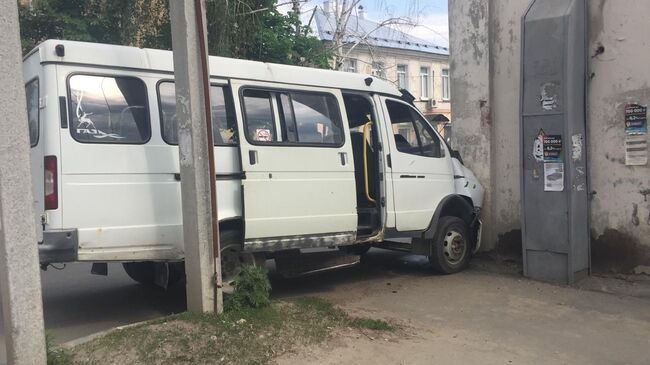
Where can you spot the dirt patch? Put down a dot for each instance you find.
(357, 347)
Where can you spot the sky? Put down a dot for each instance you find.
(430, 15)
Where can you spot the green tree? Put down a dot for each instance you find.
(248, 29)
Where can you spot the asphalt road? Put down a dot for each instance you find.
(77, 304)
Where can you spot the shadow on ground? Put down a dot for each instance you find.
(374, 265)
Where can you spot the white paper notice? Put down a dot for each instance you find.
(554, 176)
(636, 150)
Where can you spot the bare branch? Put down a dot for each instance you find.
(345, 40)
(269, 7)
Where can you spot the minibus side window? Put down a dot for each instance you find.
(287, 120)
(412, 134)
(260, 125)
(305, 118)
(106, 109)
(224, 124)
(31, 92)
(318, 118)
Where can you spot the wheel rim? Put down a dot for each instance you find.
(454, 247)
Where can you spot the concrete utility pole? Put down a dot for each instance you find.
(20, 282)
(195, 142)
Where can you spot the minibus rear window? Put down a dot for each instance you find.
(224, 124)
(109, 109)
(31, 92)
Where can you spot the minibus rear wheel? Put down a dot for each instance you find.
(231, 256)
(451, 246)
(144, 272)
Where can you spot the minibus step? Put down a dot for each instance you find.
(396, 246)
(302, 264)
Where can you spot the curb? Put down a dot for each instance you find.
(81, 340)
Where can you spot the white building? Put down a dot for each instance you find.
(411, 63)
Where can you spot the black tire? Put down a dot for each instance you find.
(231, 257)
(451, 247)
(231, 260)
(145, 272)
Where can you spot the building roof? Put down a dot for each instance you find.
(152, 60)
(324, 25)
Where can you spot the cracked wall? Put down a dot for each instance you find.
(470, 90)
(619, 74)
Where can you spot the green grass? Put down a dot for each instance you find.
(252, 290)
(242, 336)
(56, 356)
(372, 324)
(336, 314)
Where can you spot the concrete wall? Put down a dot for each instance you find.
(470, 97)
(620, 215)
(619, 75)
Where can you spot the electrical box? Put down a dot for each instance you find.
(555, 191)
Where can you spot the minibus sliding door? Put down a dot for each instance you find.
(299, 189)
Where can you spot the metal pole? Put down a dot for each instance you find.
(195, 142)
(20, 282)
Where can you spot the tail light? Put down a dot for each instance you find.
(51, 183)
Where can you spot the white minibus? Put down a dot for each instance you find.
(304, 158)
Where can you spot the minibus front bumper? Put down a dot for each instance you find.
(58, 245)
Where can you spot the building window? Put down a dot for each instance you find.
(425, 82)
(378, 70)
(350, 65)
(445, 84)
(402, 77)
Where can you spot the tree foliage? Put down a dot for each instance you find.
(249, 29)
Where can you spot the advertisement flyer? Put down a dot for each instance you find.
(554, 176)
(636, 119)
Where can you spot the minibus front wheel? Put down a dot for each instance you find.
(451, 246)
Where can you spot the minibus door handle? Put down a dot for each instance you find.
(252, 157)
(344, 158)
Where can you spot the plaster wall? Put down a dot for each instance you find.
(470, 97)
(619, 74)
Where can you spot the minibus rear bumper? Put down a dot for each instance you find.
(58, 245)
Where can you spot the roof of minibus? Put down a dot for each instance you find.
(107, 55)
